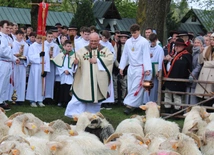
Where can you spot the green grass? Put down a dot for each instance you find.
(52, 112)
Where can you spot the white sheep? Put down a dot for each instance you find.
(131, 125)
(26, 125)
(207, 147)
(182, 144)
(158, 126)
(3, 127)
(195, 120)
(127, 143)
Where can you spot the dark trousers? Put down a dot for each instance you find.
(57, 92)
(64, 94)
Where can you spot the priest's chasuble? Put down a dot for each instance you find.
(91, 81)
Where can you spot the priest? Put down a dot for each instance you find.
(92, 78)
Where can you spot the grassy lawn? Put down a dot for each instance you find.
(52, 112)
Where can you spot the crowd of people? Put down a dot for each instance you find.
(90, 71)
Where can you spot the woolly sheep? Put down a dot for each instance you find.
(195, 120)
(182, 144)
(3, 127)
(158, 126)
(208, 140)
(131, 125)
(127, 143)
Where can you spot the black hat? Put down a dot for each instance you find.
(180, 41)
(72, 27)
(173, 32)
(124, 34)
(184, 33)
(54, 29)
(58, 25)
(64, 27)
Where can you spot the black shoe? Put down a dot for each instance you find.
(105, 106)
(128, 111)
(5, 106)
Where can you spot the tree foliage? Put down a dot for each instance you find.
(126, 8)
(84, 14)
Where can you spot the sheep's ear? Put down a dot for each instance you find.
(73, 133)
(46, 129)
(204, 114)
(30, 126)
(175, 146)
(144, 107)
(189, 109)
(8, 123)
(159, 107)
(15, 152)
(53, 146)
(113, 145)
(1, 109)
(75, 118)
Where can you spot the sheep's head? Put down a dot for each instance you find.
(152, 110)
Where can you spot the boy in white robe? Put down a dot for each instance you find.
(62, 61)
(84, 41)
(20, 49)
(136, 53)
(54, 50)
(6, 59)
(157, 55)
(34, 89)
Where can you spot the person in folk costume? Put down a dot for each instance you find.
(6, 59)
(92, 78)
(72, 31)
(34, 89)
(65, 32)
(84, 41)
(54, 50)
(136, 54)
(62, 61)
(20, 49)
(105, 42)
(63, 38)
(56, 36)
(187, 39)
(171, 44)
(122, 80)
(207, 72)
(197, 49)
(176, 67)
(157, 55)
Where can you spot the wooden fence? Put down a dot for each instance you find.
(160, 92)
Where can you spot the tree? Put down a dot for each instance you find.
(153, 14)
(126, 8)
(84, 15)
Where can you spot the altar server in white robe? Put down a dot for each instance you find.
(136, 53)
(6, 59)
(105, 42)
(20, 49)
(53, 50)
(84, 41)
(157, 55)
(34, 89)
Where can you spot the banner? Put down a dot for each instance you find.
(42, 16)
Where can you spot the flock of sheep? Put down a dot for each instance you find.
(25, 134)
